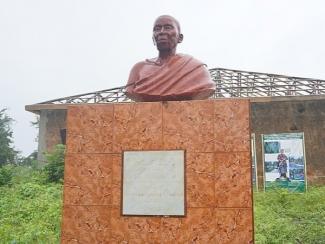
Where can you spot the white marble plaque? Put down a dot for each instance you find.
(153, 183)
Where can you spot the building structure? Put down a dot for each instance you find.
(278, 103)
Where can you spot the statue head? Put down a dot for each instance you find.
(166, 33)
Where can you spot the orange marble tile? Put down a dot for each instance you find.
(197, 227)
(134, 229)
(83, 118)
(233, 180)
(88, 179)
(89, 142)
(86, 224)
(137, 126)
(213, 179)
(117, 181)
(189, 125)
(90, 129)
(232, 131)
(234, 226)
(200, 179)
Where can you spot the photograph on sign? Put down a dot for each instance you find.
(284, 161)
(153, 183)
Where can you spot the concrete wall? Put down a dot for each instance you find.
(306, 116)
(52, 122)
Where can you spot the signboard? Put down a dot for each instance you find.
(284, 161)
(153, 183)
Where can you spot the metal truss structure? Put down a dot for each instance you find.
(229, 83)
(236, 83)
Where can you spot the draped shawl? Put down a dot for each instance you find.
(182, 77)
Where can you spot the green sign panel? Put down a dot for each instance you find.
(284, 162)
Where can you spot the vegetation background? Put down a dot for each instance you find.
(30, 211)
(31, 202)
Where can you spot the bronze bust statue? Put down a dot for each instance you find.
(169, 76)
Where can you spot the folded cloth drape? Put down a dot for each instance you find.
(182, 77)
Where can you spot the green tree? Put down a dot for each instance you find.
(7, 153)
(35, 124)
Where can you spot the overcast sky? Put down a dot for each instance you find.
(55, 48)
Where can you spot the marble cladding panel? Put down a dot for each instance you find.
(232, 130)
(189, 125)
(89, 143)
(86, 224)
(200, 174)
(117, 181)
(233, 180)
(90, 129)
(197, 227)
(215, 135)
(134, 229)
(234, 226)
(137, 126)
(88, 179)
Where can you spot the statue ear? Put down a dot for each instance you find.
(180, 38)
(154, 41)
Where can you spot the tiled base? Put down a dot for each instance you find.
(215, 135)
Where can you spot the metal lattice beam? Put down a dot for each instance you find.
(229, 83)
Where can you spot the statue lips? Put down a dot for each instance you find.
(162, 42)
(162, 39)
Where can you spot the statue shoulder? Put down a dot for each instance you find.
(138, 65)
(135, 71)
(191, 58)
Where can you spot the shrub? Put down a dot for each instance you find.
(5, 175)
(30, 212)
(29, 190)
(54, 168)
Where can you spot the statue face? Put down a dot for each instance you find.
(166, 33)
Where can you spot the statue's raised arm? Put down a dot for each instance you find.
(169, 76)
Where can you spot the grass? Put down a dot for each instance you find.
(30, 212)
(282, 217)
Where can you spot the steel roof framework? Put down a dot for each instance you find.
(229, 83)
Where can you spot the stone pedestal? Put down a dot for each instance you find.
(215, 135)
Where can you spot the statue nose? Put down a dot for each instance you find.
(162, 29)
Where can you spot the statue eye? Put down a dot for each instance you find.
(157, 28)
(168, 27)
